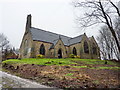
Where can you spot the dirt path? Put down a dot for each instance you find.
(11, 81)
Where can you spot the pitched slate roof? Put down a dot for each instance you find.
(75, 39)
(46, 36)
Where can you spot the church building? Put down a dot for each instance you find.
(37, 41)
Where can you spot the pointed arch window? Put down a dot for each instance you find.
(94, 49)
(42, 49)
(74, 51)
(86, 48)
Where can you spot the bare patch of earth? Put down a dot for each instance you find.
(68, 76)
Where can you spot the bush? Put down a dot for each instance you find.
(72, 56)
(77, 56)
(39, 56)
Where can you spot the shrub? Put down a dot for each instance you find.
(39, 56)
(77, 56)
(72, 56)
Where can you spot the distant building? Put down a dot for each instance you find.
(37, 41)
(12, 55)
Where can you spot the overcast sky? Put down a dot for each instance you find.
(57, 16)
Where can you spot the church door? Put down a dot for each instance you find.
(59, 53)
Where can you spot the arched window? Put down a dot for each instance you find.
(94, 50)
(42, 49)
(26, 47)
(60, 53)
(74, 51)
(86, 48)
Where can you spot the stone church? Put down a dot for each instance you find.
(37, 41)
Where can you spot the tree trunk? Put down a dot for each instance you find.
(109, 26)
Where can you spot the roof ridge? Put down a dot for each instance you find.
(51, 32)
(77, 36)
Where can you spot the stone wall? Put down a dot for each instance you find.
(83, 54)
(60, 45)
(27, 37)
(94, 43)
(77, 46)
(80, 49)
(37, 45)
(52, 54)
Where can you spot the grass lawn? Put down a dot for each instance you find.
(44, 61)
(67, 61)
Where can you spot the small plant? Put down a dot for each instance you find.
(39, 56)
(96, 82)
(77, 56)
(69, 74)
(72, 56)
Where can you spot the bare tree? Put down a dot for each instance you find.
(4, 44)
(117, 27)
(99, 12)
(107, 44)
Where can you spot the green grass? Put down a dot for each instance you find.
(67, 61)
(44, 61)
(80, 66)
(108, 67)
(69, 74)
(95, 61)
(96, 67)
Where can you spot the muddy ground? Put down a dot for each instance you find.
(67, 76)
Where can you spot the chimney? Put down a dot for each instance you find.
(28, 23)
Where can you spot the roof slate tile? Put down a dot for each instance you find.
(46, 36)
